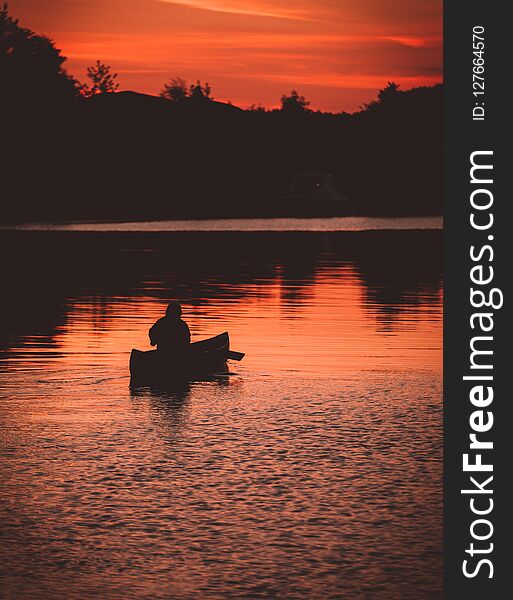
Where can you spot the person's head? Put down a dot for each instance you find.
(174, 310)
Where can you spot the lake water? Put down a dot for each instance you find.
(313, 470)
(261, 225)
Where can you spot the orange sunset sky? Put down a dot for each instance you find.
(338, 53)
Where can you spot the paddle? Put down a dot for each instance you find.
(235, 355)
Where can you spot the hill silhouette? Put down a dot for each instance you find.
(69, 154)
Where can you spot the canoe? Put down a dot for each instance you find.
(204, 358)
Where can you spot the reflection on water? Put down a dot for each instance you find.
(313, 470)
(277, 224)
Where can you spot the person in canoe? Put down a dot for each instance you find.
(171, 334)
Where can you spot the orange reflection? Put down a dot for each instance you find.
(327, 328)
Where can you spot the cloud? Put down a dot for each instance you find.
(340, 52)
(415, 42)
(241, 7)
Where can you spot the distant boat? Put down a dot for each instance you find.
(205, 358)
(313, 194)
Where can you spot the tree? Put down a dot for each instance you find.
(294, 103)
(389, 92)
(102, 78)
(31, 66)
(176, 90)
(258, 108)
(386, 96)
(198, 91)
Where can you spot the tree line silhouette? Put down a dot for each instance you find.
(87, 151)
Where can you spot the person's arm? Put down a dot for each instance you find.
(153, 333)
(186, 334)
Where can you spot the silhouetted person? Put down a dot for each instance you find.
(170, 334)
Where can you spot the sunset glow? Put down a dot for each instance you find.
(337, 53)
